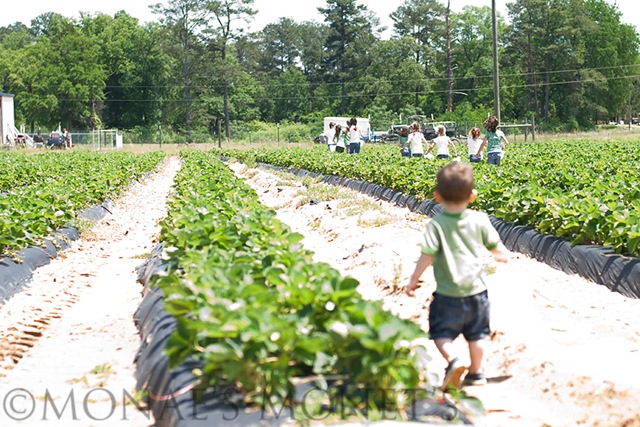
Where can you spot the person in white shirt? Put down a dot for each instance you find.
(473, 144)
(416, 140)
(355, 136)
(328, 135)
(442, 143)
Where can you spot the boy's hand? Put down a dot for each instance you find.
(502, 258)
(501, 254)
(412, 286)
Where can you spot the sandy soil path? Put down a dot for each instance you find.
(68, 340)
(564, 352)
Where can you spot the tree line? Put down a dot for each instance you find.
(567, 63)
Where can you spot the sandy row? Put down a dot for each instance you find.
(71, 330)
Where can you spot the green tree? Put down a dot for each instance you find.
(472, 38)
(137, 69)
(423, 22)
(611, 50)
(550, 32)
(184, 21)
(221, 31)
(348, 44)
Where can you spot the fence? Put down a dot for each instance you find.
(99, 139)
(511, 130)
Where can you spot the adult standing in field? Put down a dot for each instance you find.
(328, 135)
(442, 143)
(473, 144)
(416, 140)
(339, 139)
(355, 136)
(494, 140)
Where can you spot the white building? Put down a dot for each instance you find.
(7, 118)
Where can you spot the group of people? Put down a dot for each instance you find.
(414, 144)
(494, 139)
(348, 139)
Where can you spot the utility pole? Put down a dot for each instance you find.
(629, 108)
(496, 71)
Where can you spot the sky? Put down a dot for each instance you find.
(268, 10)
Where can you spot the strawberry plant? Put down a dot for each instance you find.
(252, 306)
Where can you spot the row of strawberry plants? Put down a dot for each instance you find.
(33, 211)
(20, 169)
(251, 305)
(584, 191)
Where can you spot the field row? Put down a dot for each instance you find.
(583, 191)
(251, 305)
(43, 192)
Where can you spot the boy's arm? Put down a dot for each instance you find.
(501, 253)
(423, 262)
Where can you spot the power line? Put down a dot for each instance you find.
(395, 81)
(373, 94)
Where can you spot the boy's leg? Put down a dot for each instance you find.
(475, 376)
(445, 347)
(455, 370)
(476, 331)
(476, 354)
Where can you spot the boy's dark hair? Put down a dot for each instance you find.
(454, 182)
(491, 124)
(353, 122)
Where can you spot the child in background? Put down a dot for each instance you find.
(403, 136)
(493, 140)
(473, 144)
(329, 134)
(338, 140)
(355, 136)
(454, 241)
(416, 140)
(442, 143)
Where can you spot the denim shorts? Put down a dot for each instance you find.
(450, 317)
(475, 159)
(353, 148)
(443, 156)
(493, 158)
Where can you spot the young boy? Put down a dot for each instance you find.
(454, 241)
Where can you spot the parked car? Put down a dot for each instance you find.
(377, 136)
(395, 132)
(55, 140)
